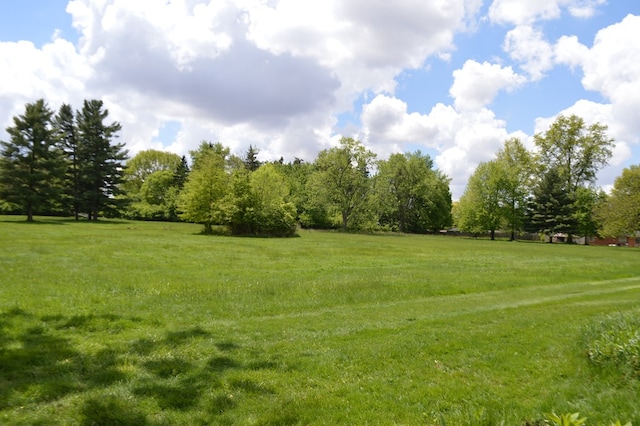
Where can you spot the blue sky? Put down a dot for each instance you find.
(453, 79)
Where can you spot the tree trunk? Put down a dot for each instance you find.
(345, 217)
(208, 229)
(493, 235)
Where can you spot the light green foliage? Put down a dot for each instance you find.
(576, 151)
(615, 341)
(586, 202)
(410, 195)
(571, 419)
(257, 203)
(145, 163)
(620, 212)
(517, 165)
(205, 188)
(341, 181)
(481, 206)
(152, 185)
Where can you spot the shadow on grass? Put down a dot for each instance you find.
(41, 361)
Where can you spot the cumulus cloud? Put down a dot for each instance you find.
(461, 139)
(521, 12)
(366, 43)
(612, 68)
(272, 73)
(527, 46)
(475, 85)
(524, 12)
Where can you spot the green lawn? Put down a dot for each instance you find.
(121, 322)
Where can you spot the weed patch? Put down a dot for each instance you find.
(614, 341)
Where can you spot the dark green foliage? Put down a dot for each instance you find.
(31, 165)
(250, 160)
(181, 173)
(551, 208)
(411, 196)
(67, 138)
(101, 161)
(574, 152)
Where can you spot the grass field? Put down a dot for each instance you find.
(121, 322)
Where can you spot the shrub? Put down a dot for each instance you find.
(615, 341)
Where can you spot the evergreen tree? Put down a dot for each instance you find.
(250, 160)
(181, 173)
(67, 139)
(550, 211)
(31, 165)
(101, 161)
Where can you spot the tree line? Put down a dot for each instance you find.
(551, 190)
(65, 162)
(69, 163)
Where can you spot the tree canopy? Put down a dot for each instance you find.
(620, 212)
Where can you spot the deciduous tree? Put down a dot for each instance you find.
(576, 152)
(481, 207)
(517, 170)
(619, 213)
(411, 196)
(206, 186)
(341, 180)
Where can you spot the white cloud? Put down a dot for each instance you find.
(477, 84)
(524, 12)
(462, 139)
(271, 73)
(612, 68)
(526, 45)
(366, 43)
(585, 8)
(521, 12)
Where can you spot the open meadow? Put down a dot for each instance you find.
(150, 323)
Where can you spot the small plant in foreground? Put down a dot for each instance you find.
(571, 419)
(615, 341)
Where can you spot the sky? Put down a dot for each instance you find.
(451, 78)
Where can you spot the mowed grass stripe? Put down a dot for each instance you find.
(383, 314)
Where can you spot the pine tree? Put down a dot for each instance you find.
(250, 161)
(31, 165)
(550, 211)
(67, 139)
(181, 173)
(101, 161)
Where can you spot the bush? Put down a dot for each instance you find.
(615, 341)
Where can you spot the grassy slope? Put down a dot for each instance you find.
(150, 323)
